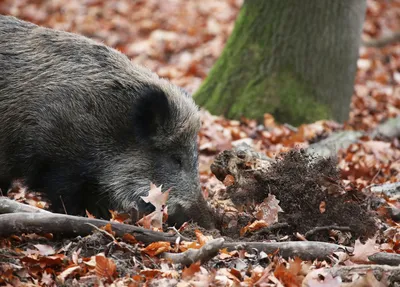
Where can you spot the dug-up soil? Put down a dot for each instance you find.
(310, 194)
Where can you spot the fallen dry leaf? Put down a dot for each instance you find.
(362, 251)
(44, 249)
(201, 238)
(156, 248)
(68, 272)
(189, 272)
(156, 197)
(159, 200)
(268, 210)
(289, 276)
(47, 279)
(229, 180)
(256, 225)
(105, 268)
(108, 229)
(321, 278)
(322, 206)
(129, 238)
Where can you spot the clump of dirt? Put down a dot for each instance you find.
(308, 188)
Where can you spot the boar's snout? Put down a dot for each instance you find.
(194, 208)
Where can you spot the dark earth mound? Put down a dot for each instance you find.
(309, 191)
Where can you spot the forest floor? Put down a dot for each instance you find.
(269, 194)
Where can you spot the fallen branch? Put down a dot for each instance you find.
(29, 219)
(68, 225)
(389, 189)
(204, 254)
(385, 258)
(8, 205)
(317, 229)
(346, 272)
(332, 144)
(342, 140)
(383, 41)
(389, 129)
(306, 250)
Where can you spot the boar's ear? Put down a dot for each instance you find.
(151, 113)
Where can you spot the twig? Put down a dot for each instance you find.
(62, 202)
(204, 254)
(179, 234)
(325, 228)
(157, 266)
(103, 231)
(376, 174)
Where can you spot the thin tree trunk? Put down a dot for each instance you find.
(293, 59)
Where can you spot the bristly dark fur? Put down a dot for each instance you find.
(79, 121)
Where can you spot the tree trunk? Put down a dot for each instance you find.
(294, 59)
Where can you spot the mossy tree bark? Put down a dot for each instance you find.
(294, 59)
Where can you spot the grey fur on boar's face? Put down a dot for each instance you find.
(82, 123)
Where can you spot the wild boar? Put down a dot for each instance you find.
(83, 124)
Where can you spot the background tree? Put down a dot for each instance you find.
(293, 59)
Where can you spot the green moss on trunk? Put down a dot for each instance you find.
(283, 58)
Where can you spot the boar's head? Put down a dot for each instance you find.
(166, 123)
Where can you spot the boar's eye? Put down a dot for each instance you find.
(177, 160)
